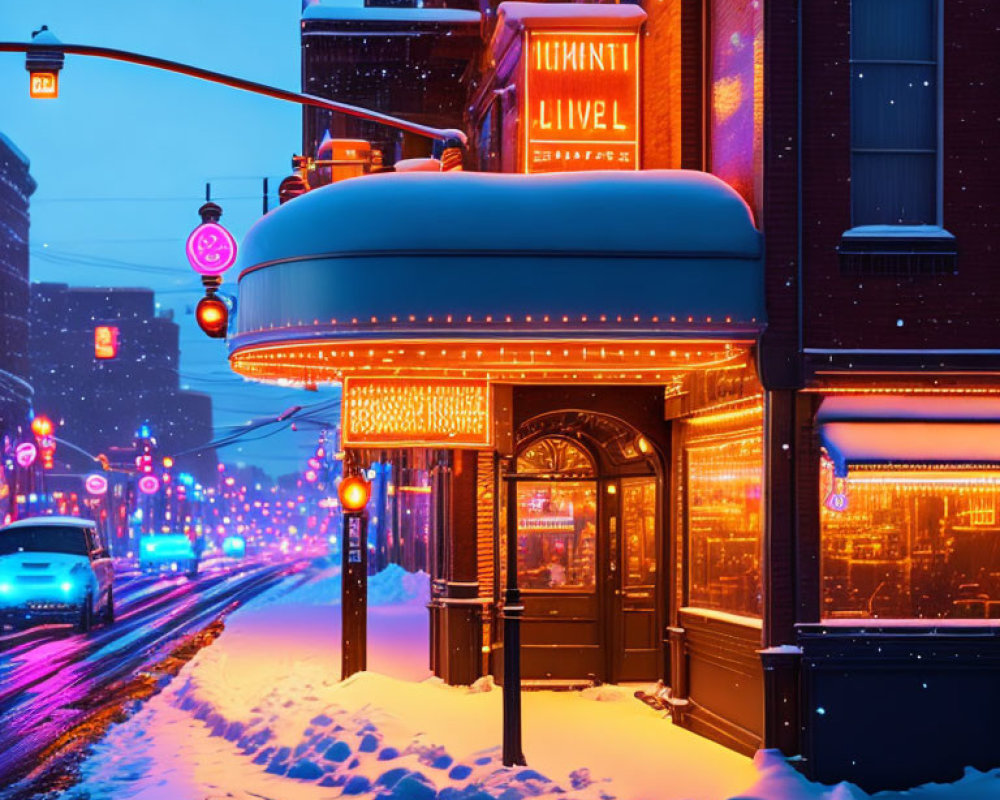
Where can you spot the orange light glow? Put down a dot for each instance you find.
(389, 411)
(168, 462)
(581, 101)
(354, 493)
(41, 426)
(547, 361)
(43, 85)
(105, 341)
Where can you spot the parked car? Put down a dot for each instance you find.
(168, 552)
(55, 569)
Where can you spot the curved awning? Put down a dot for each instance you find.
(367, 264)
(898, 430)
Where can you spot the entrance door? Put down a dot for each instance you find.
(633, 649)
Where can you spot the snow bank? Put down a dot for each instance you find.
(262, 713)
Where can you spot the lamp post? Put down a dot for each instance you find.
(512, 611)
(354, 492)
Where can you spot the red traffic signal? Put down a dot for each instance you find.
(354, 493)
(213, 316)
(41, 426)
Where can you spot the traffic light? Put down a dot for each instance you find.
(212, 315)
(41, 426)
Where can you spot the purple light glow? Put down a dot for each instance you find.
(96, 484)
(25, 454)
(149, 484)
(211, 249)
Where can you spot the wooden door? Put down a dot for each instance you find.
(633, 577)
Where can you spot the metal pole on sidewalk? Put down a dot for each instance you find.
(512, 611)
(354, 594)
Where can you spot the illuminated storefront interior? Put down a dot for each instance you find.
(909, 491)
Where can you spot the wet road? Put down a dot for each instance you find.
(52, 679)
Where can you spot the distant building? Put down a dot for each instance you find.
(16, 186)
(390, 57)
(103, 363)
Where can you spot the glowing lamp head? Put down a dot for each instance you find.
(213, 317)
(168, 462)
(41, 426)
(354, 493)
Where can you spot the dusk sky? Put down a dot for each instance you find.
(122, 158)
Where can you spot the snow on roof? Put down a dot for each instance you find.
(664, 212)
(355, 10)
(517, 14)
(908, 408)
(51, 522)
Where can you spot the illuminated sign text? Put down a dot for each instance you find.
(389, 411)
(105, 341)
(43, 85)
(581, 101)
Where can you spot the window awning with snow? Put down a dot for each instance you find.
(899, 430)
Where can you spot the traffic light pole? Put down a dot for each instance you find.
(354, 594)
(440, 134)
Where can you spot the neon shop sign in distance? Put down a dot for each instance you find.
(581, 105)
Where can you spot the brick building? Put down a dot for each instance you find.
(762, 467)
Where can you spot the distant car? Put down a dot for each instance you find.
(55, 569)
(167, 552)
(234, 547)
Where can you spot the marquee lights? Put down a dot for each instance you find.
(388, 411)
(536, 360)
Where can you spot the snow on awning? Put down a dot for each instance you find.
(896, 430)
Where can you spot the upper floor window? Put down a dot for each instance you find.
(895, 120)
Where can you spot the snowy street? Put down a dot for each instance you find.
(56, 683)
(261, 713)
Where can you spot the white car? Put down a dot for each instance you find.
(54, 569)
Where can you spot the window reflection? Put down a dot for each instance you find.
(556, 534)
(724, 525)
(910, 543)
(639, 531)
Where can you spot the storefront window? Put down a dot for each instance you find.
(556, 534)
(724, 525)
(910, 543)
(639, 530)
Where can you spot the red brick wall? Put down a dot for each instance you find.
(938, 311)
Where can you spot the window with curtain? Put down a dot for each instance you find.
(894, 112)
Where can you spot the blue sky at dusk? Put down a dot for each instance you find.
(122, 158)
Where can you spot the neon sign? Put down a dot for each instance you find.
(581, 106)
(211, 249)
(44, 85)
(105, 341)
(95, 484)
(25, 454)
(149, 484)
(443, 412)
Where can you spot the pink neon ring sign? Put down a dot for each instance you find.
(96, 484)
(211, 249)
(149, 484)
(25, 454)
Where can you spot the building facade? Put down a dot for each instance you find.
(104, 363)
(16, 187)
(736, 401)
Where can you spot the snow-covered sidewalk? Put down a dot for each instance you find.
(261, 713)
